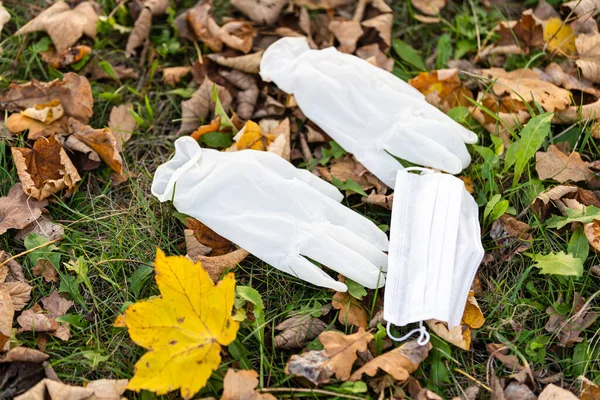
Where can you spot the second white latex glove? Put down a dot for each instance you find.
(281, 214)
(368, 111)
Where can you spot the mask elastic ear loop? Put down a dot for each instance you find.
(423, 339)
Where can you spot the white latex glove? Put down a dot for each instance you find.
(368, 111)
(277, 212)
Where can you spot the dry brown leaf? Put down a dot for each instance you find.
(219, 245)
(103, 389)
(521, 85)
(101, 141)
(587, 8)
(20, 293)
(348, 167)
(64, 25)
(73, 92)
(240, 385)
(568, 78)
(4, 16)
(589, 390)
(45, 113)
(472, 316)
(249, 63)
(442, 88)
(351, 311)
(67, 57)
(399, 363)
(557, 199)
(194, 24)
(260, 11)
(321, 4)
(247, 97)
(296, 331)
(380, 200)
(15, 271)
(172, 75)
(42, 226)
(279, 130)
(511, 236)
(34, 320)
(214, 265)
(569, 329)
(141, 29)
(7, 313)
(460, 335)
(337, 358)
(556, 165)
(511, 362)
(512, 113)
(96, 72)
(56, 305)
(17, 210)
(383, 25)
(46, 269)
(17, 123)
(523, 34)
(431, 7)
(238, 35)
(592, 233)
(347, 33)
(588, 48)
(122, 124)
(200, 106)
(373, 54)
(553, 392)
(23, 354)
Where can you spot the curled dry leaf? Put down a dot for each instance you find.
(201, 105)
(556, 165)
(67, 57)
(101, 141)
(103, 389)
(585, 8)
(11, 271)
(7, 313)
(442, 88)
(588, 48)
(380, 200)
(373, 54)
(214, 126)
(348, 167)
(347, 33)
(214, 265)
(172, 75)
(46, 169)
(589, 390)
(17, 123)
(460, 335)
(568, 78)
(383, 25)
(568, 329)
(472, 316)
(17, 210)
(23, 354)
(122, 124)
(239, 385)
(518, 37)
(592, 233)
(20, 293)
(398, 363)
(74, 93)
(556, 199)
(46, 269)
(430, 7)
(296, 331)
(260, 11)
(247, 97)
(218, 244)
(64, 25)
(553, 392)
(337, 358)
(321, 4)
(249, 63)
(351, 311)
(141, 28)
(45, 113)
(95, 72)
(4, 16)
(510, 361)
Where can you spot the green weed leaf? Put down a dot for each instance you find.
(407, 53)
(351, 185)
(579, 245)
(586, 216)
(558, 264)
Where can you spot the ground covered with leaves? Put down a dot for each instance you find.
(93, 94)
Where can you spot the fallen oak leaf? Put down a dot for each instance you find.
(296, 331)
(74, 93)
(64, 25)
(101, 141)
(143, 23)
(239, 385)
(46, 169)
(260, 11)
(17, 210)
(399, 363)
(556, 165)
(351, 311)
(191, 320)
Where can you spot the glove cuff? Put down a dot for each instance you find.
(187, 155)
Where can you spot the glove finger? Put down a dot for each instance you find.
(354, 222)
(324, 249)
(358, 244)
(303, 269)
(436, 114)
(319, 184)
(421, 150)
(381, 164)
(444, 134)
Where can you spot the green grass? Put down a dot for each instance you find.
(115, 230)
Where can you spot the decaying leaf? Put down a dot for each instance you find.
(141, 28)
(380, 200)
(586, 8)
(17, 123)
(556, 165)
(588, 48)
(45, 113)
(46, 169)
(321, 4)
(240, 385)
(74, 93)
(42, 226)
(17, 210)
(510, 361)
(34, 320)
(569, 329)
(249, 63)
(218, 244)
(103, 389)
(7, 313)
(183, 329)
(351, 311)
(337, 358)
(296, 331)
(518, 37)
(399, 363)
(214, 265)
(592, 233)
(373, 54)
(96, 72)
(589, 390)
(260, 11)
(430, 7)
(172, 75)
(460, 335)
(568, 78)
(64, 25)
(271, 135)
(4, 16)
(347, 33)
(11, 271)
(56, 305)
(67, 57)
(46, 269)
(347, 167)
(201, 105)
(383, 25)
(553, 392)
(101, 141)
(511, 235)
(122, 124)
(507, 114)
(247, 97)
(472, 316)
(442, 88)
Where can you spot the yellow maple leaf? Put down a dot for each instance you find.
(183, 330)
(559, 36)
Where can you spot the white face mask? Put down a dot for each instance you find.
(435, 249)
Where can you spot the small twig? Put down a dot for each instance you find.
(319, 391)
(460, 371)
(3, 263)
